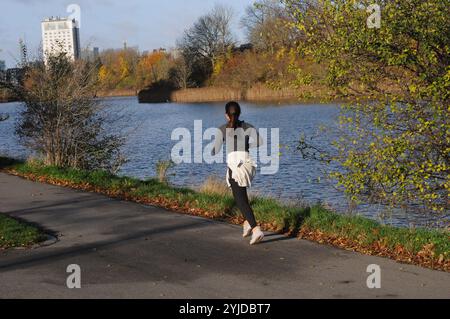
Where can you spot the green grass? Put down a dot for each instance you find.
(366, 232)
(284, 218)
(14, 233)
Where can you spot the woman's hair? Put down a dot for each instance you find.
(233, 110)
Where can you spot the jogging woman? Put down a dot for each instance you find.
(239, 137)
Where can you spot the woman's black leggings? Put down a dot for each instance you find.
(241, 198)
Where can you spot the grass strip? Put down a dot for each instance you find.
(15, 233)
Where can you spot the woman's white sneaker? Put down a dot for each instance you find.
(247, 230)
(257, 236)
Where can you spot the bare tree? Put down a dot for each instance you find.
(180, 73)
(62, 120)
(267, 25)
(209, 38)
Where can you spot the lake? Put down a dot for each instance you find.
(148, 128)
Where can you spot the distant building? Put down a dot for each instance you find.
(2, 65)
(243, 47)
(60, 35)
(176, 53)
(160, 50)
(90, 55)
(96, 52)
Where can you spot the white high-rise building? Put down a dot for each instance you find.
(60, 35)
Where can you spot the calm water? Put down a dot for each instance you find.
(148, 128)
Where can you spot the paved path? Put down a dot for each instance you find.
(127, 250)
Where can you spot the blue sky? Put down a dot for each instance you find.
(148, 24)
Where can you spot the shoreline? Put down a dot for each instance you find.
(261, 102)
(425, 247)
(256, 95)
(117, 93)
(216, 94)
(4, 101)
(100, 94)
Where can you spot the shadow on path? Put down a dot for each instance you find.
(42, 258)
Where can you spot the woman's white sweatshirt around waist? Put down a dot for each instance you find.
(243, 168)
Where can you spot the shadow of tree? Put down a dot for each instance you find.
(61, 253)
(6, 162)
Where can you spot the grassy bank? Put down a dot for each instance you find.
(425, 247)
(116, 93)
(15, 233)
(257, 93)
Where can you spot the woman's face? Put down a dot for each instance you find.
(227, 117)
